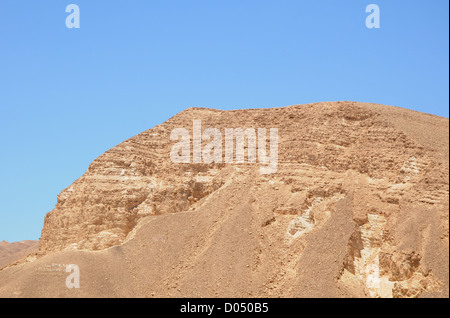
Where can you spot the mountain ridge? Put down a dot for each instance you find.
(358, 208)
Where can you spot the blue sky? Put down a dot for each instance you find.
(68, 95)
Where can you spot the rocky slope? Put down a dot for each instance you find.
(12, 252)
(357, 208)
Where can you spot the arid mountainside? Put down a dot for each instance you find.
(12, 252)
(357, 208)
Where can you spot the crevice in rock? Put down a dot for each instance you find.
(383, 271)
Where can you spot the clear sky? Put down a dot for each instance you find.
(68, 95)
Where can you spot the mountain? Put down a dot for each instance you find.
(356, 207)
(12, 252)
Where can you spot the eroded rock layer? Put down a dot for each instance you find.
(358, 207)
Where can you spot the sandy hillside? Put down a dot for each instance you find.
(357, 208)
(12, 252)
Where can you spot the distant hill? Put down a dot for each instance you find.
(12, 252)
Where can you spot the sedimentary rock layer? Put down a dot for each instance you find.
(358, 207)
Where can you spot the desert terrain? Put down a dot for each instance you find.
(12, 252)
(359, 207)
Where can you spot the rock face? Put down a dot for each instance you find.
(358, 207)
(12, 252)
